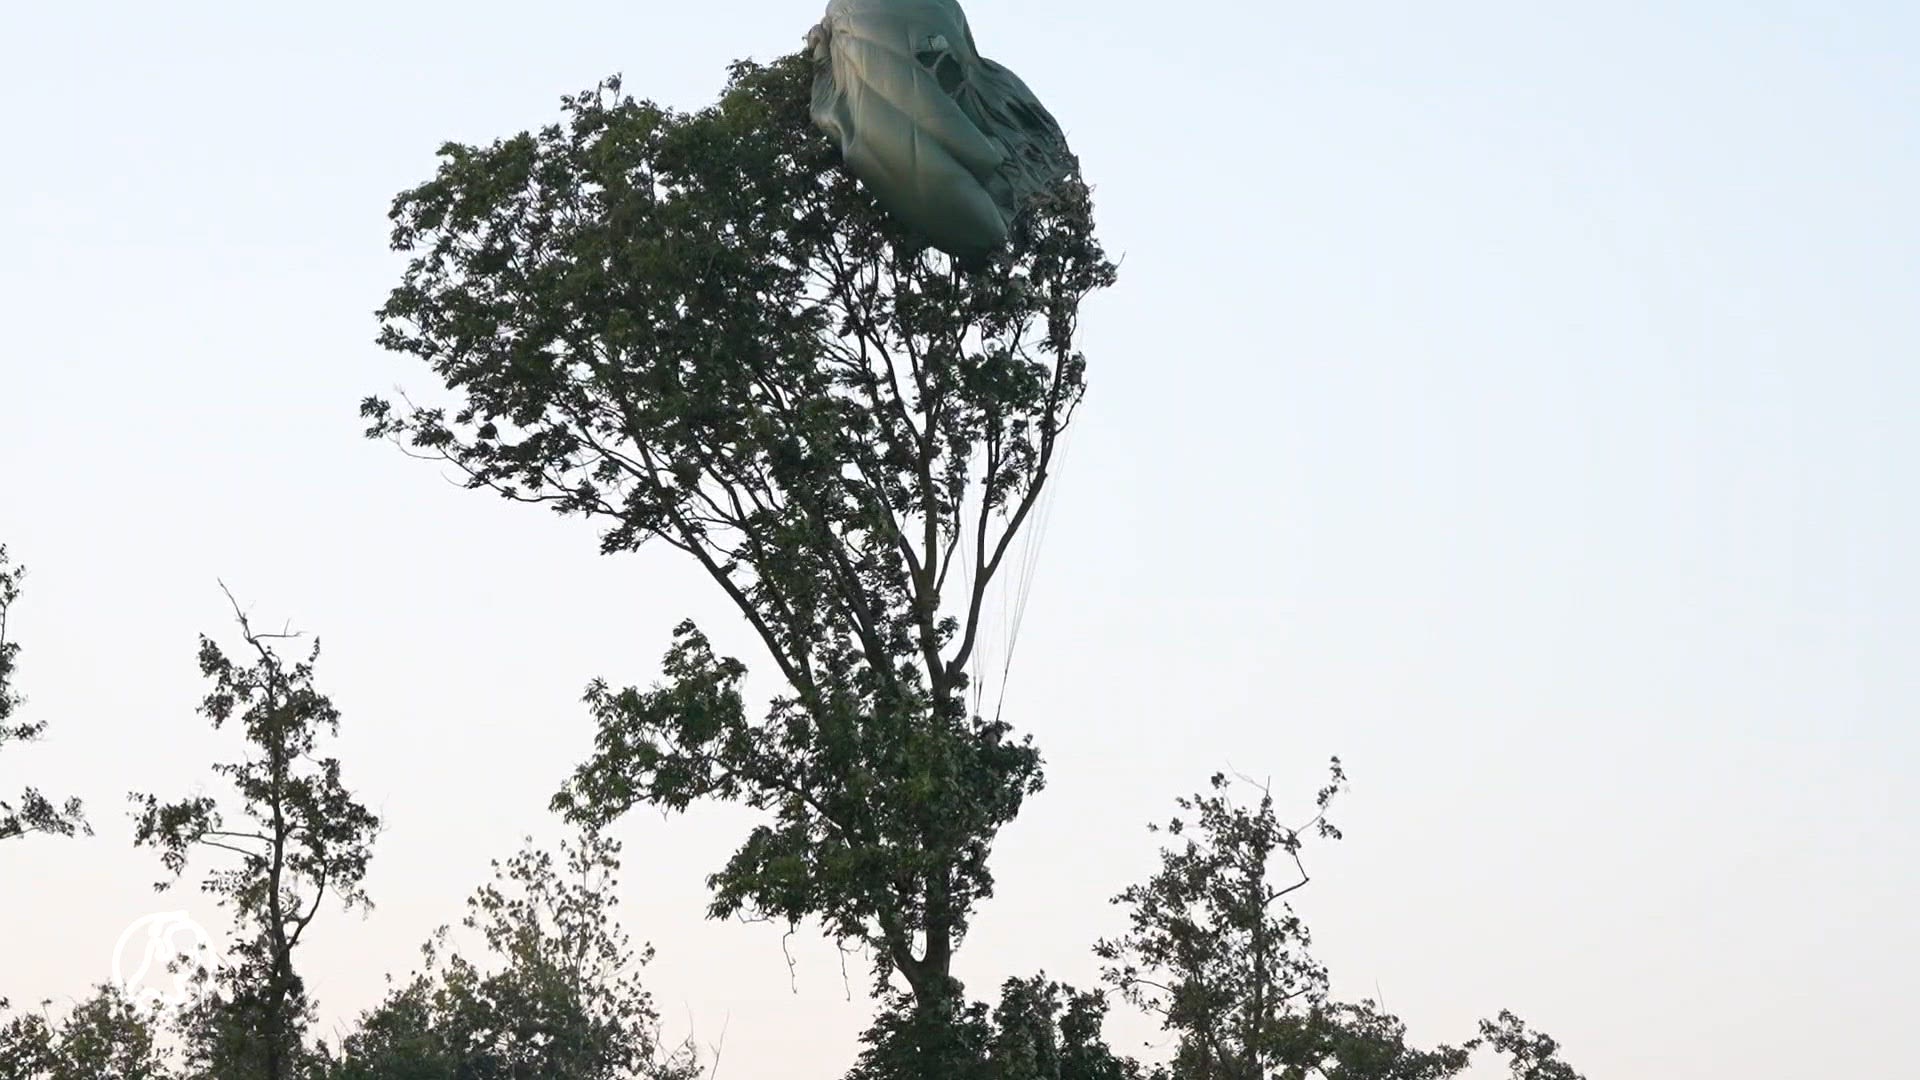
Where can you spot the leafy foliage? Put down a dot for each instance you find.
(1208, 950)
(10, 577)
(1531, 1055)
(300, 835)
(1337, 1041)
(103, 1037)
(694, 328)
(1049, 1031)
(565, 1004)
(1041, 1030)
(1215, 951)
(35, 813)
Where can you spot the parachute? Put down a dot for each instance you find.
(951, 144)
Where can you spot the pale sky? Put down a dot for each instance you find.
(1514, 399)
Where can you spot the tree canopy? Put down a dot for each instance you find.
(563, 1002)
(694, 328)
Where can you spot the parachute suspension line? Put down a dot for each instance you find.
(984, 642)
(1007, 617)
(966, 551)
(1031, 546)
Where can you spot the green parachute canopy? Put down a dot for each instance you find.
(953, 145)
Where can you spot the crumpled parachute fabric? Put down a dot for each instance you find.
(953, 145)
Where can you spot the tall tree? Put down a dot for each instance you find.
(293, 835)
(694, 328)
(562, 1002)
(34, 813)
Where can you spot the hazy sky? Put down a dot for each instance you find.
(1515, 400)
